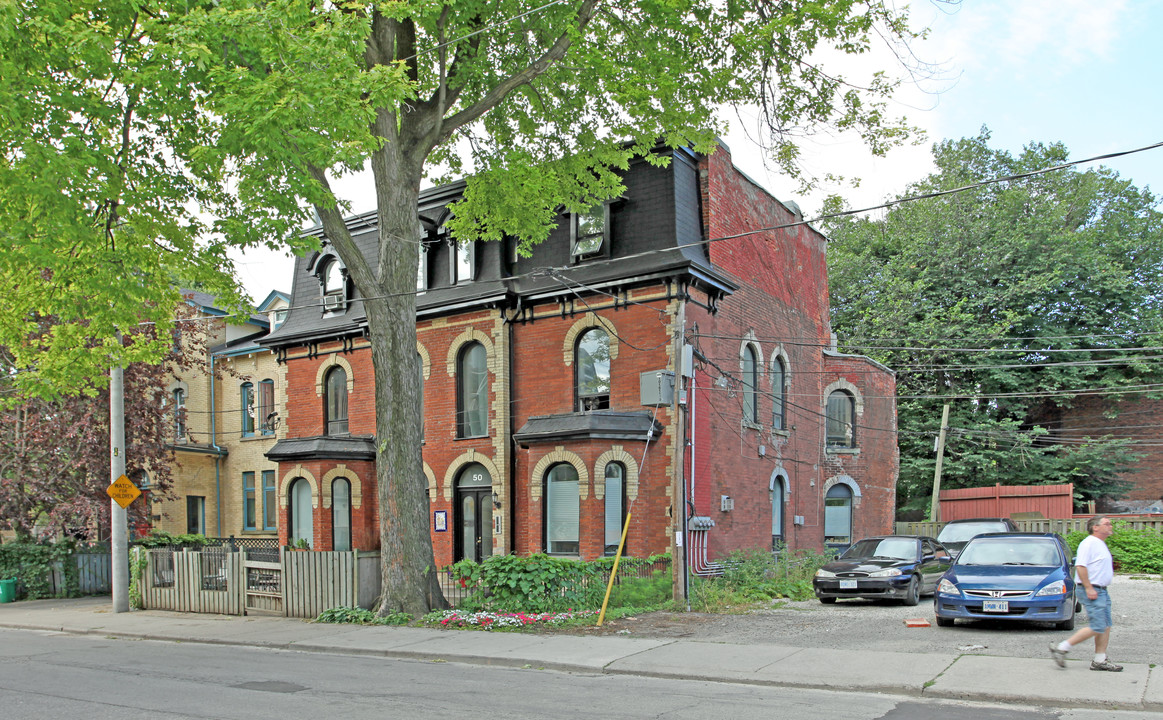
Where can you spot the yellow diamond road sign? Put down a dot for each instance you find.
(123, 491)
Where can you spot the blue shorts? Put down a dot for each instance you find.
(1098, 610)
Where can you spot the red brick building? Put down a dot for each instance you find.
(636, 356)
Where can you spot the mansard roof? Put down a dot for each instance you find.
(656, 236)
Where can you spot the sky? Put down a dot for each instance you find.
(1086, 74)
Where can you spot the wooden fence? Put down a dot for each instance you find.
(301, 584)
(1062, 526)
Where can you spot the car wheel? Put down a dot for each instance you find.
(944, 622)
(828, 601)
(913, 592)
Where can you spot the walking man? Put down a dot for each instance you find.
(1094, 570)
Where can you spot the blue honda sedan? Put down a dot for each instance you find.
(1009, 576)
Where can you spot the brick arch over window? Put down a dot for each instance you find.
(298, 472)
(779, 473)
(332, 360)
(779, 361)
(589, 320)
(618, 455)
(843, 480)
(425, 360)
(559, 455)
(472, 456)
(342, 471)
(750, 381)
(469, 335)
(854, 391)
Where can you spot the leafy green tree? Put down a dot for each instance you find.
(1007, 301)
(162, 113)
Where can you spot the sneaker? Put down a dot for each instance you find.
(1058, 655)
(1106, 665)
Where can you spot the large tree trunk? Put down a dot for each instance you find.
(407, 561)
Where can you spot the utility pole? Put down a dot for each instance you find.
(935, 509)
(119, 531)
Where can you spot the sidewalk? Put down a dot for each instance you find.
(1034, 681)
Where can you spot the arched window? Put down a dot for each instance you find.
(615, 506)
(472, 397)
(179, 415)
(838, 515)
(334, 286)
(778, 406)
(841, 412)
(335, 402)
(750, 385)
(562, 510)
(592, 365)
(778, 498)
(341, 514)
(299, 520)
(247, 396)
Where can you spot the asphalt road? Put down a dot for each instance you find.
(50, 675)
(1137, 604)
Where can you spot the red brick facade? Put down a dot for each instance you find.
(766, 292)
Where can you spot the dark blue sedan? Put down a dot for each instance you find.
(901, 567)
(1009, 576)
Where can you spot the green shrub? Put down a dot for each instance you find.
(1133, 550)
(32, 565)
(753, 576)
(160, 538)
(534, 583)
(640, 592)
(360, 616)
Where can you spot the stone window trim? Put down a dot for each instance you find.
(559, 455)
(431, 478)
(587, 321)
(616, 454)
(460, 462)
(342, 471)
(780, 360)
(470, 334)
(843, 385)
(779, 473)
(750, 341)
(425, 360)
(842, 480)
(321, 375)
(293, 474)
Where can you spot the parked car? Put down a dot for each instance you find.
(958, 532)
(1009, 576)
(888, 566)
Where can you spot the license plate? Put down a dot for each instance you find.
(847, 584)
(995, 606)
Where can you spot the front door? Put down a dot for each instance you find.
(474, 508)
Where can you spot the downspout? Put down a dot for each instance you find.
(217, 453)
(510, 533)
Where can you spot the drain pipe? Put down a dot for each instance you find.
(217, 454)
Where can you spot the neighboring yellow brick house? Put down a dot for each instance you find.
(223, 485)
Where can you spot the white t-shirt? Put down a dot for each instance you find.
(1094, 555)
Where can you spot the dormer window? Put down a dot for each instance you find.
(334, 286)
(463, 262)
(590, 232)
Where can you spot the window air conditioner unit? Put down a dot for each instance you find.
(332, 302)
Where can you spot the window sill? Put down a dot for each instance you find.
(781, 433)
(472, 437)
(248, 438)
(752, 425)
(842, 450)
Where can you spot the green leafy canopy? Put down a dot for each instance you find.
(1006, 301)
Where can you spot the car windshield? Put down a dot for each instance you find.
(889, 548)
(961, 532)
(1042, 552)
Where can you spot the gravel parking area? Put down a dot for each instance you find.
(1137, 635)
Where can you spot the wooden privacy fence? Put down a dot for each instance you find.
(217, 580)
(1062, 526)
